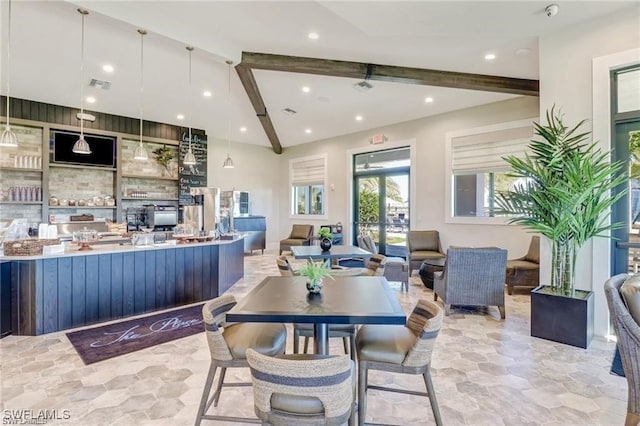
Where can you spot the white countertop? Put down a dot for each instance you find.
(72, 249)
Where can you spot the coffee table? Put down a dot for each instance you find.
(427, 269)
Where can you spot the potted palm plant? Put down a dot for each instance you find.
(565, 189)
(315, 272)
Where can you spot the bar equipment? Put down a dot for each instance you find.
(204, 214)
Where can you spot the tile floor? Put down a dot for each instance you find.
(485, 371)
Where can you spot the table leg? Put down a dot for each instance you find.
(321, 338)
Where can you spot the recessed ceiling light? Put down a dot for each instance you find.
(313, 36)
(243, 129)
(524, 51)
(306, 89)
(90, 100)
(489, 57)
(107, 68)
(358, 118)
(180, 117)
(206, 94)
(307, 131)
(428, 99)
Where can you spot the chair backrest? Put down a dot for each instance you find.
(301, 232)
(477, 266)
(365, 242)
(374, 263)
(284, 266)
(424, 241)
(425, 321)
(628, 333)
(533, 255)
(214, 314)
(329, 379)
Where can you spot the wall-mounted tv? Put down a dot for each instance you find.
(103, 149)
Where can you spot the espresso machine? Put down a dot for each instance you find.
(204, 214)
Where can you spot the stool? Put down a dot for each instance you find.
(397, 269)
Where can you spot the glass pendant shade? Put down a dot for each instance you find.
(8, 139)
(228, 163)
(140, 153)
(189, 158)
(81, 146)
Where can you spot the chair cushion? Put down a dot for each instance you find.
(425, 254)
(300, 232)
(267, 339)
(395, 261)
(424, 241)
(522, 264)
(292, 242)
(630, 292)
(384, 343)
(296, 404)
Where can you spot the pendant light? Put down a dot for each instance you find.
(8, 139)
(81, 146)
(141, 152)
(189, 158)
(228, 162)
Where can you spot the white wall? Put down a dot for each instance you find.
(428, 203)
(567, 80)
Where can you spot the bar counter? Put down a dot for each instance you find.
(56, 292)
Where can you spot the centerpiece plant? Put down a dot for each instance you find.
(326, 238)
(564, 191)
(315, 272)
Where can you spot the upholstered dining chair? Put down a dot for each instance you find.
(395, 268)
(472, 276)
(300, 236)
(525, 271)
(285, 267)
(400, 349)
(228, 344)
(302, 389)
(623, 300)
(375, 265)
(423, 245)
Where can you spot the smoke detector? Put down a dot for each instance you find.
(100, 84)
(363, 86)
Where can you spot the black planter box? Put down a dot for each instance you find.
(563, 319)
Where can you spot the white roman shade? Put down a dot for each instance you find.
(483, 152)
(308, 171)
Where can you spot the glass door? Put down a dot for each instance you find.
(381, 194)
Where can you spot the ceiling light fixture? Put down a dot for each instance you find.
(140, 152)
(107, 68)
(81, 146)
(428, 99)
(313, 36)
(228, 162)
(189, 158)
(8, 138)
(358, 118)
(90, 100)
(180, 116)
(307, 131)
(489, 57)
(206, 94)
(243, 129)
(306, 89)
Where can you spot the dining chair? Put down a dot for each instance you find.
(285, 268)
(623, 299)
(228, 344)
(400, 349)
(374, 265)
(303, 389)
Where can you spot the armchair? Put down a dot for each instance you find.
(300, 236)
(423, 245)
(472, 276)
(525, 271)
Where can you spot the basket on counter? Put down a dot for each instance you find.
(30, 247)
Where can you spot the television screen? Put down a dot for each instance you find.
(103, 149)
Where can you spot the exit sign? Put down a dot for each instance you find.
(377, 139)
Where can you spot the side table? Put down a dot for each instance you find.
(427, 269)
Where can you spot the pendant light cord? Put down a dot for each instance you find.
(83, 12)
(190, 49)
(142, 33)
(8, 64)
(228, 107)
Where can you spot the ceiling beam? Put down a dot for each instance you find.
(360, 70)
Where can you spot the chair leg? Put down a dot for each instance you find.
(205, 393)
(502, 313)
(345, 345)
(362, 392)
(435, 297)
(352, 348)
(447, 308)
(509, 289)
(306, 344)
(296, 341)
(216, 396)
(432, 397)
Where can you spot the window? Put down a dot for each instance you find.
(478, 171)
(307, 177)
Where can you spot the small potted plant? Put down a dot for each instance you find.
(326, 238)
(163, 155)
(315, 272)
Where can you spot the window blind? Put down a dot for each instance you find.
(482, 153)
(308, 171)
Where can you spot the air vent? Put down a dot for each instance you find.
(363, 86)
(100, 84)
(289, 111)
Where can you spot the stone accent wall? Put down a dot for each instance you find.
(32, 212)
(151, 167)
(155, 189)
(29, 144)
(76, 184)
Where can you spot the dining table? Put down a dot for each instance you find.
(334, 254)
(343, 300)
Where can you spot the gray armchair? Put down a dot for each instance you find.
(423, 245)
(300, 236)
(624, 307)
(472, 276)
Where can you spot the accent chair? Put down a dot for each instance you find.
(300, 235)
(423, 245)
(525, 271)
